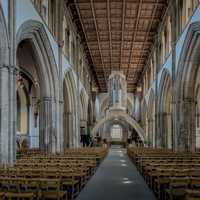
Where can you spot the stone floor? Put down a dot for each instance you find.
(116, 179)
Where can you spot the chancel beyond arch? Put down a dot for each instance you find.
(116, 110)
(119, 116)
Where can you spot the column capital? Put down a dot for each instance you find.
(188, 100)
(47, 99)
(10, 67)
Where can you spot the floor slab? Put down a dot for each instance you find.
(116, 179)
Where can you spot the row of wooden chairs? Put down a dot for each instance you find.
(39, 176)
(170, 175)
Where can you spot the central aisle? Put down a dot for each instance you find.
(118, 179)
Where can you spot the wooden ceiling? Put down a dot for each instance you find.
(117, 34)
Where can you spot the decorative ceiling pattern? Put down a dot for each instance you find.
(118, 35)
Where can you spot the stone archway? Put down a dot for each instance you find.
(119, 115)
(84, 105)
(165, 110)
(188, 76)
(69, 111)
(83, 109)
(83, 116)
(151, 119)
(33, 42)
(144, 119)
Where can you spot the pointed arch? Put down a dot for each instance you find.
(119, 117)
(90, 112)
(34, 32)
(165, 109)
(84, 105)
(3, 39)
(151, 119)
(144, 119)
(188, 76)
(32, 39)
(69, 110)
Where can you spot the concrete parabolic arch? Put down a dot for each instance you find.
(119, 116)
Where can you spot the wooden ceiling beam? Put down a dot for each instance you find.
(128, 1)
(122, 33)
(97, 32)
(134, 33)
(125, 40)
(109, 30)
(149, 28)
(125, 30)
(119, 34)
(85, 18)
(78, 11)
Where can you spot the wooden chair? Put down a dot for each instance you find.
(31, 186)
(177, 187)
(192, 194)
(19, 196)
(71, 184)
(51, 189)
(2, 195)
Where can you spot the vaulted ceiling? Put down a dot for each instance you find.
(118, 35)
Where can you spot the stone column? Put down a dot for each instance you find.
(65, 131)
(150, 132)
(8, 114)
(164, 129)
(8, 95)
(168, 130)
(47, 127)
(34, 124)
(174, 92)
(157, 130)
(159, 135)
(60, 102)
(93, 95)
(153, 132)
(77, 117)
(187, 127)
(68, 130)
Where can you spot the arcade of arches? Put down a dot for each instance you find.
(98, 77)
